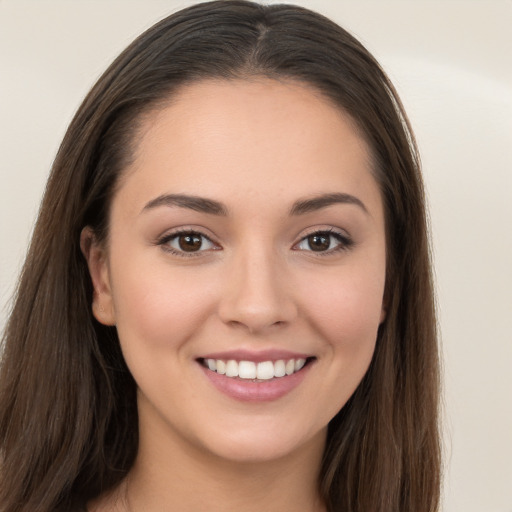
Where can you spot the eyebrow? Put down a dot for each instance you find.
(196, 203)
(315, 203)
(212, 207)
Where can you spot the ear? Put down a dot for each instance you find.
(97, 261)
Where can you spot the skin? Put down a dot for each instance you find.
(257, 146)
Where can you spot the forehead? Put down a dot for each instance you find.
(252, 137)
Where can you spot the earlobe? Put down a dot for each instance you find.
(96, 257)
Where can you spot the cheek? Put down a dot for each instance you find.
(346, 307)
(157, 307)
(343, 309)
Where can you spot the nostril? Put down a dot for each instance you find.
(254, 325)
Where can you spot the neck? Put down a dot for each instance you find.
(186, 484)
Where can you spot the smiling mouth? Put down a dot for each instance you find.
(256, 371)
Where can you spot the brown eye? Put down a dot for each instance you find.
(190, 242)
(187, 242)
(324, 242)
(319, 242)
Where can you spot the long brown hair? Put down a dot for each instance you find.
(68, 415)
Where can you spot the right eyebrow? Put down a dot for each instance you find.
(196, 203)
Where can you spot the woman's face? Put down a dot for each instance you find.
(246, 237)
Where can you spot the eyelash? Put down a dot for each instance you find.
(166, 239)
(344, 242)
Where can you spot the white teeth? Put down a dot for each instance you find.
(299, 363)
(279, 369)
(250, 370)
(231, 368)
(221, 367)
(265, 370)
(247, 370)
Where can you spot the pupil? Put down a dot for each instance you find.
(318, 242)
(190, 243)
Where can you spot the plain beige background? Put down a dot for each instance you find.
(452, 63)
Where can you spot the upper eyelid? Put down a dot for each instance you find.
(327, 229)
(164, 243)
(168, 235)
(344, 238)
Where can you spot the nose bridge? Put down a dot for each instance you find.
(256, 294)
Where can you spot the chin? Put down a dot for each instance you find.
(265, 444)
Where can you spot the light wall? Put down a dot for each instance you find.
(452, 63)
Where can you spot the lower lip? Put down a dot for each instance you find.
(250, 391)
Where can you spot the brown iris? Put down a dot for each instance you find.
(319, 242)
(190, 242)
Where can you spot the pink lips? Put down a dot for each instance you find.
(251, 390)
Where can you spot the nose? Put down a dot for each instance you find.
(257, 293)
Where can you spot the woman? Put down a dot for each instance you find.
(228, 289)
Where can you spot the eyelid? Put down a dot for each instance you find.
(163, 241)
(345, 240)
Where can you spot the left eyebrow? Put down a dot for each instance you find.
(315, 203)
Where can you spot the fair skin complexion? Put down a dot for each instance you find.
(286, 259)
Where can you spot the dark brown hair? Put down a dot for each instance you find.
(68, 415)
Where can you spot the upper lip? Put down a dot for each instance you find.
(256, 356)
